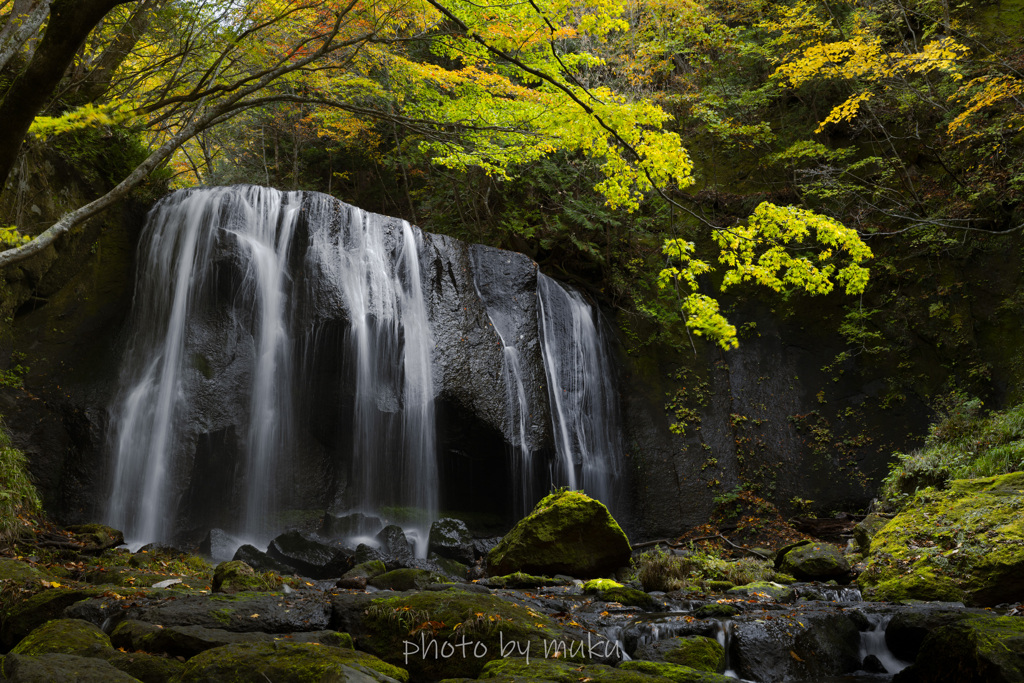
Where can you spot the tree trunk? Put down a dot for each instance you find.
(25, 19)
(97, 81)
(69, 25)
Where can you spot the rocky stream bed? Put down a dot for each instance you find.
(558, 599)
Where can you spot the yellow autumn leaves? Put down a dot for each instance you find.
(760, 252)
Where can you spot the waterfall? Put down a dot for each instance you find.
(373, 270)
(501, 312)
(243, 292)
(174, 277)
(582, 392)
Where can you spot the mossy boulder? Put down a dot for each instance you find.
(59, 667)
(866, 530)
(766, 590)
(698, 652)
(977, 649)
(366, 570)
(523, 580)
(716, 610)
(440, 620)
(145, 667)
(29, 614)
(813, 562)
(520, 669)
(64, 636)
(674, 672)
(630, 596)
(566, 533)
(406, 579)
(188, 641)
(20, 572)
(287, 663)
(235, 576)
(965, 543)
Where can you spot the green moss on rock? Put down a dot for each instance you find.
(64, 636)
(523, 580)
(716, 610)
(630, 596)
(673, 672)
(965, 543)
(976, 649)
(50, 668)
(366, 570)
(235, 576)
(768, 589)
(28, 614)
(20, 572)
(698, 652)
(814, 561)
(286, 663)
(566, 533)
(597, 585)
(406, 579)
(519, 669)
(143, 666)
(410, 630)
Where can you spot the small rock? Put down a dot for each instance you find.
(348, 525)
(261, 561)
(235, 576)
(351, 582)
(395, 546)
(218, 545)
(873, 665)
(310, 556)
(450, 538)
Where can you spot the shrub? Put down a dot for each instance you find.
(963, 443)
(18, 497)
(658, 570)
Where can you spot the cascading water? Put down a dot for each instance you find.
(872, 643)
(582, 393)
(375, 274)
(174, 278)
(241, 295)
(516, 400)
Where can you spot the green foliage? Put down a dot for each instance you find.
(18, 497)
(963, 443)
(86, 116)
(762, 252)
(10, 237)
(662, 571)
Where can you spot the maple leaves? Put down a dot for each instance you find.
(759, 252)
